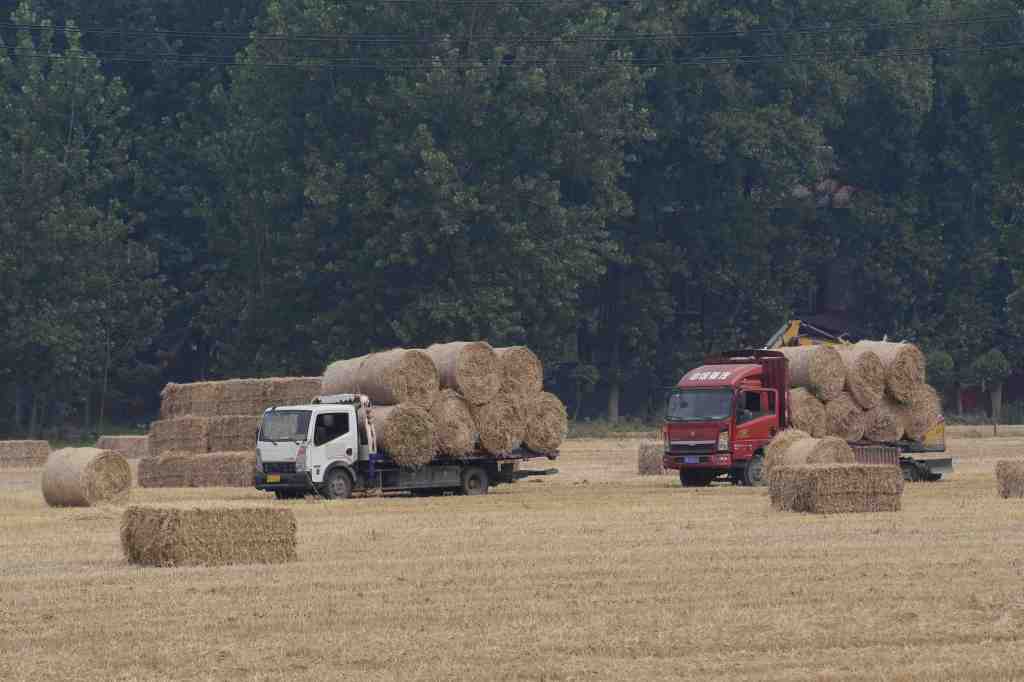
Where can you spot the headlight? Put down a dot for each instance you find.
(300, 459)
(723, 441)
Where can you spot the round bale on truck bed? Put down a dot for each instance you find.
(330, 448)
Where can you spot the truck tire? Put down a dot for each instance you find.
(474, 481)
(911, 473)
(337, 485)
(753, 473)
(695, 479)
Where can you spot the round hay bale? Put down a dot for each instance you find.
(845, 419)
(807, 413)
(406, 433)
(828, 450)
(522, 371)
(546, 423)
(454, 425)
(923, 412)
(82, 477)
(819, 369)
(904, 366)
(649, 460)
(393, 377)
(886, 423)
(775, 451)
(501, 425)
(865, 375)
(470, 367)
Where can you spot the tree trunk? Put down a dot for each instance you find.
(996, 394)
(33, 421)
(959, 400)
(103, 392)
(613, 401)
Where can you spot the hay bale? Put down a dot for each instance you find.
(887, 423)
(175, 401)
(454, 425)
(828, 450)
(393, 377)
(904, 366)
(836, 488)
(845, 419)
(1010, 476)
(501, 425)
(291, 391)
(807, 412)
(820, 369)
(153, 536)
(923, 412)
(233, 433)
(865, 375)
(131, 447)
(181, 434)
(470, 367)
(406, 433)
(241, 396)
(171, 470)
(23, 453)
(649, 454)
(521, 370)
(545, 422)
(197, 399)
(83, 477)
(776, 449)
(222, 469)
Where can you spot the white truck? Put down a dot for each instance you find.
(329, 447)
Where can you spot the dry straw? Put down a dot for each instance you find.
(886, 423)
(807, 413)
(470, 367)
(845, 419)
(83, 477)
(397, 376)
(454, 425)
(836, 488)
(828, 450)
(649, 455)
(181, 434)
(904, 366)
(819, 369)
(233, 433)
(923, 412)
(865, 375)
(545, 422)
(501, 425)
(521, 370)
(283, 391)
(152, 536)
(23, 453)
(406, 433)
(132, 447)
(775, 451)
(171, 470)
(1010, 476)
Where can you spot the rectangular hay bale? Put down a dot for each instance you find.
(291, 390)
(836, 488)
(181, 434)
(168, 536)
(23, 453)
(223, 470)
(233, 433)
(130, 447)
(171, 470)
(1010, 476)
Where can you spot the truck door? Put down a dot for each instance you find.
(757, 421)
(335, 439)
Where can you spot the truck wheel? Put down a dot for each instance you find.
(474, 481)
(911, 473)
(337, 485)
(695, 479)
(753, 473)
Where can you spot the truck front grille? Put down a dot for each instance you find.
(706, 448)
(279, 467)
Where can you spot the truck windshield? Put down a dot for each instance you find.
(285, 425)
(699, 405)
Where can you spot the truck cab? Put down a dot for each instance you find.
(720, 416)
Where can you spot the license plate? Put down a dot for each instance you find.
(693, 460)
(273, 478)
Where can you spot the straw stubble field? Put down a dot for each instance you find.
(597, 573)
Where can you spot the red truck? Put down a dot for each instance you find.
(721, 415)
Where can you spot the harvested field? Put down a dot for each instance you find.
(1010, 478)
(545, 422)
(836, 488)
(649, 455)
(807, 412)
(23, 453)
(181, 434)
(819, 369)
(169, 536)
(470, 367)
(391, 377)
(82, 477)
(572, 569)
(131, 447)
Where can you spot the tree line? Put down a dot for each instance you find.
(192, 190)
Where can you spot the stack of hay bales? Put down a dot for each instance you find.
(155, 536)
(869, 391)
(836, 488)
(83, 477)
(131, 447)
(1010, 476)
(454, 400)
(23, 453)
(207, 432)
(793, 447)
(649, 458)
